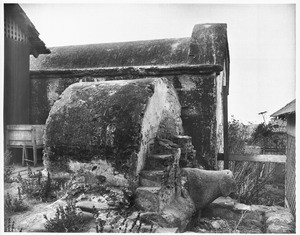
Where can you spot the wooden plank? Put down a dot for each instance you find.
(13, 143)
(258, 158)
(25, 135)
(19, 127)
(225, 127)
(19, 135)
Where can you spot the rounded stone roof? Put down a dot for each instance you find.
(137, 53)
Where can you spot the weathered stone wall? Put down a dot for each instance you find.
(219, 112)
(196, 87)
(197, 95)
(113, 120)
(207, 95)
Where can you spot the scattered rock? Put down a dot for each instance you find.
(147, 229)
(81, 197)
(276, 219)
(225, 201)
(216, 224)
(154, 218)
(280, 228)
(87, 215)
(167, 230)
(279, 220)
(242, 207)
(90, 206)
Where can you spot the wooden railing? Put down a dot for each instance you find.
(254, 157)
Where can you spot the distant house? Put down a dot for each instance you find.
(21, 39)
(288, 112)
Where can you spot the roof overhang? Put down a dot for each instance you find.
(37, 46)
(290, 108)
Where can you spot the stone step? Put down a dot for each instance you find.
(164, 146)
(159, 161)
(154, 199)
(148, 198)
(188, 153)
(184, 142)
(151, 178)
(182, 139)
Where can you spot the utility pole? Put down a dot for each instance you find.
(263, 115)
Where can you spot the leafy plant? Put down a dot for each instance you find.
(237, 136)
(266, 136)
(66, 219)
(9, 226)
(39, 187)
(8, 167)
(14, 204)
(252, 178)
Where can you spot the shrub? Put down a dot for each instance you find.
(251, 182)
(253, 177)
(14, 204)
(9, 226)
(39, 187)
(8, 167)
(266, 136)
(66, 219)
(237, 136)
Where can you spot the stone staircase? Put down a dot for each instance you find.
(160, 180)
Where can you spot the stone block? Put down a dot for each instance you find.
(89, 206)
(159, 161)
(148, 199)
(87, 215)
(178, 213)
(152, 178)
(153, 218)
(242, 207)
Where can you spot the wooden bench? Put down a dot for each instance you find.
(25, 136)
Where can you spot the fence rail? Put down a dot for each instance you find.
(254, 158)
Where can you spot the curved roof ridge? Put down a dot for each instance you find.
(138, 53)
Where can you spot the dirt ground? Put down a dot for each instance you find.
(272, 194)
(34, 206)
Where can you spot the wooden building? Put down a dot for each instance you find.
(21, 40)
(288, 112)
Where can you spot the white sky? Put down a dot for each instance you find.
(261, 41)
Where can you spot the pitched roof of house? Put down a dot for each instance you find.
(288, 109)
(37, 46)
(149, 52)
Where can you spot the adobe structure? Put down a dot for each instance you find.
(196, 69)
(141, 116)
